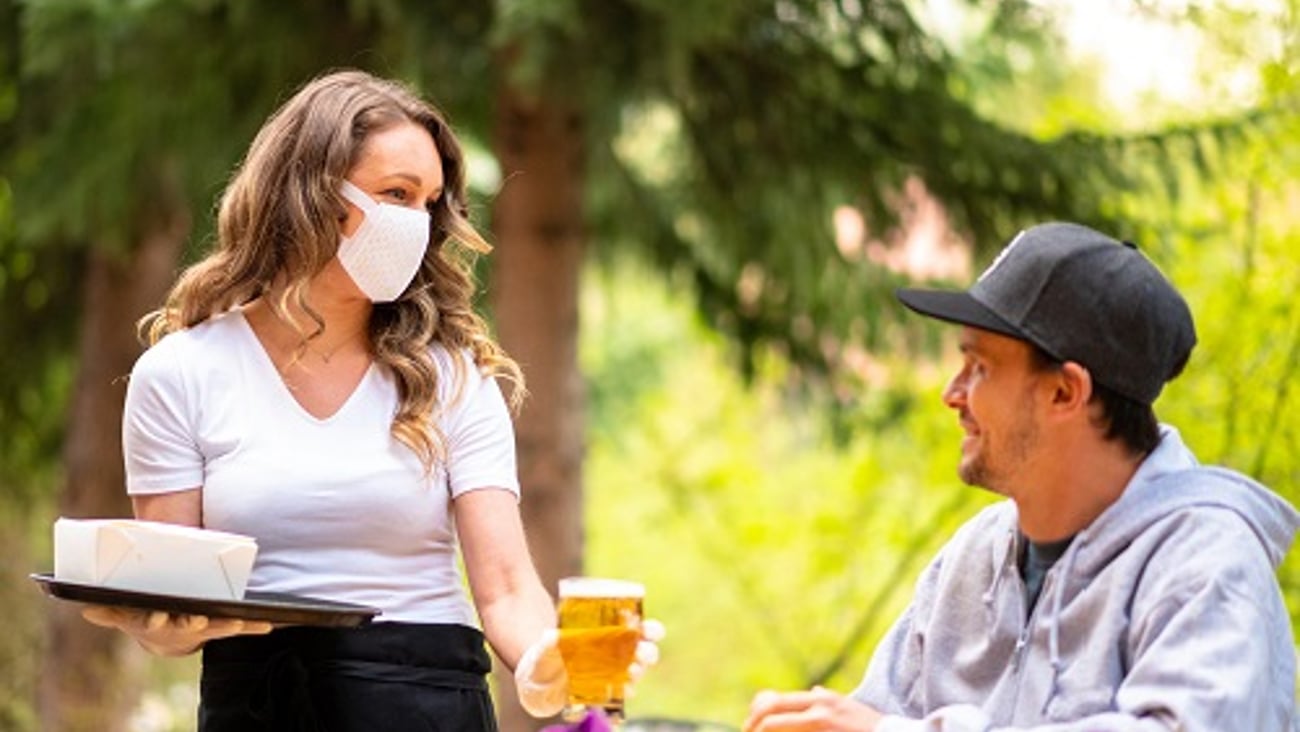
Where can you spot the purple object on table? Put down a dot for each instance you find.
(594, 722)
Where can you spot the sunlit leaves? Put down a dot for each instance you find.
(776, 559)
(106, 105)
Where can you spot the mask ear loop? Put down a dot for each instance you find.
(357, 196)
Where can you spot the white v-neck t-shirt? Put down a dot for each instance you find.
(340, 509)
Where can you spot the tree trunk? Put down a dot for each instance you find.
(88, 680)
(538, 228)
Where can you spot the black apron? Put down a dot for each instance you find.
(397, 677)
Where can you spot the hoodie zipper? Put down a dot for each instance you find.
(1026, 632)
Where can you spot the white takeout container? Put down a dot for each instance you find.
(154, 557)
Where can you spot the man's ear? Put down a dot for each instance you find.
(1072, 387)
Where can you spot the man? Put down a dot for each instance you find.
(1123, 586)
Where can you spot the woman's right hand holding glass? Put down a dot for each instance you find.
(171, 634)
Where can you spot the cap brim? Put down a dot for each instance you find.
(955, 307)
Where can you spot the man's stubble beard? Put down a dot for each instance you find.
(982, 473)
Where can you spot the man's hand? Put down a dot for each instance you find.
(819, 710)
(168, 634)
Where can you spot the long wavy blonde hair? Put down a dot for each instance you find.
(279, 223)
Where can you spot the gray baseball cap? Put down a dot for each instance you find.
(1080, 296)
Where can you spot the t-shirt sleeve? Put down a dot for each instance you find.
(481, 445)
(158, 440)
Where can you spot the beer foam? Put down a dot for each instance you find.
(600, 587)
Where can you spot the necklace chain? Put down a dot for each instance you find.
(310, 344)
(327, 354)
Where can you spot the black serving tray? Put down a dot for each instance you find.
(273, 607)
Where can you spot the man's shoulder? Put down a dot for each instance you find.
(1196, 550)
(1213, 534)
(1209, 507)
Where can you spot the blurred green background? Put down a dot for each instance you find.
(748, 422)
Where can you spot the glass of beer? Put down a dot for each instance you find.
(600, 625)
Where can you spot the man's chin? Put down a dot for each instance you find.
(973, 474)
(969, 474)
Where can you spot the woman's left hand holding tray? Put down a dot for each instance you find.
(171, 634)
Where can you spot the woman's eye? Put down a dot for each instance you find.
(397, 194)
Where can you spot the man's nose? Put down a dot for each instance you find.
(954, 394)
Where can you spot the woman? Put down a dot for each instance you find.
(320, 382)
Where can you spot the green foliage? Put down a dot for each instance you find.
(769, 116)
(101, 81)
(36, 321)
(1231, 245)
(1227, 239)
(774, 558)
(776, 554)
(105, 105)
(772, 115)
(20, 645)
(778, 558)
(722, 134)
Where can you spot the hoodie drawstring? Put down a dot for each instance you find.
(1054, 621)
(992, 590)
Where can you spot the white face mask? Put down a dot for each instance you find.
(384, 253)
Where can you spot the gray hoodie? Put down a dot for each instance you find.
(1163, 614)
